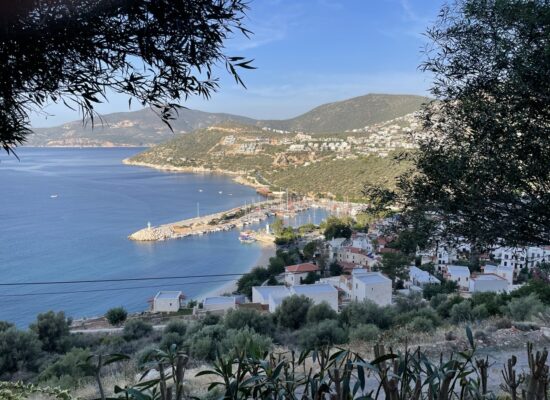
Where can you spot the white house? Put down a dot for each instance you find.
(459, 274)
(333, 247)
(521, 257)
(362, 241)
(219, 303)
(261, 294)
(372, 286)
(420, 277)
(353, 255)
(488, 283)
(318, 293)
(167, 301)
(502, 271)
(295, 273)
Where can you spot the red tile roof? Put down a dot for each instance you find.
(387, 250)
(302, 268)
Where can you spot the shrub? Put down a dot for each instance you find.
(461, 312)
(444, 309)
(292, 312)
(523, 308)
(320, 312)
(480, 335)
(241, 318)
(18, 350)
(51, 328)
(480, 312)
(143, 356)
(324, 333)
(68, 370)
(364, 333)
(211, 319)
(245, 339)
(176, 326)
(204, 342)
(503, 323)
(170, 338)
(421, 324)
(404, 304)
(493, 302)
(438, 299)
(135, 329)
(427, 313)
(5, 325)
(367, 312)
(450, 336)
(116, 316)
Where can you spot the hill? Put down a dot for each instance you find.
(355, 113)
(144, 127)
(136, 128)
(336, 165)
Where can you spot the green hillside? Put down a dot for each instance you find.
(144, 127)
(300, 163)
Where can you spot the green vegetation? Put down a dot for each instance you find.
(116, 316)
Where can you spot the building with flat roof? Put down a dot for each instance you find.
(459, 274)
(219, 303)
(318, 293)
(167, 301)
(373, 286)
(488, 283)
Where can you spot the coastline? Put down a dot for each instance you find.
(237, 177)
(266, 252)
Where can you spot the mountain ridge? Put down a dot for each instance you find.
(143, 128)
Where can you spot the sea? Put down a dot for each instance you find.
(65, 214)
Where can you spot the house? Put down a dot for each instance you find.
(333, 246)
(295, 273)
(167, 301)
(352, 255)
(361, 240)
(420, 277)
(488, 283)
(261, 294)
(373, 286)
(459, 274)
(521, 257)
(502, 271)
(219, 303)
(318, 293)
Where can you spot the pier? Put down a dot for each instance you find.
(222, 221)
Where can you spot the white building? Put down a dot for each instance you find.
(318, 293)
(333, 246)
(372, 286)
(167, 301)
(261, 294)
(362, 241)
(295, 273)
(219, 303)
(352, 255)
(459, 274)
(521, 257)
(488, 283)
(420, 277)
(502, 271)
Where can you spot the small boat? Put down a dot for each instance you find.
(230, 194)
(220, 192)
(246, 238)
(53, 196)
(200, 190)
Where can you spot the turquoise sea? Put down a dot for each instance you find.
(65, 215)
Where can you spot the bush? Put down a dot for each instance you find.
(421, 324)
(461, 312)
(450, 336)
(480, 312)
(364, 333)
(480, 335)
(493, 302)
(68, 370)
(116, 316)
(523, 308)
(211, 319)
(324, 333)
(176, 326)
(367, 312)
(5, 325)
(404, 304)
(51, 328)
(292, 312)
(503, 323)
(245, 339)
(18, 350)
(204, 342)
(170, 338)
(136, 329)
(444, 309)
(320, 312)
(243, 317)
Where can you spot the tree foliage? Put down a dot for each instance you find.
(483, 167)
(116, 316)
(77, 52)
(51, 328)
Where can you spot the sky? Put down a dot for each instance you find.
(307, 53)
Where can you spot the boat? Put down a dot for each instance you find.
(200, 190)
(220, 192)
(53, 196)
(246, 238)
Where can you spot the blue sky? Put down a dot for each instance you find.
(310, 52)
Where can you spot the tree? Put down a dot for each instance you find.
(116, 316)
(277, 226)
(254, 278)
(309, 250)
(51, 328)
(18, 350)
(483, 169)
(335, 269)
(260, 323)
(136, 329)
(337, 228)
(156, 51)
(395, 266)
(292, 312)
(320, 312)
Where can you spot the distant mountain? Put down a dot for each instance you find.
(136, 128)
(144, 127)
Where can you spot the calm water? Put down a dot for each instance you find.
(81, 233)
